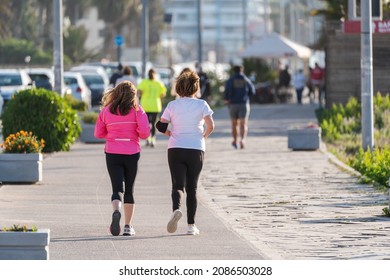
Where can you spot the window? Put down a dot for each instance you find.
(10, 80)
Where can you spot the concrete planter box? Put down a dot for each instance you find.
(24, 245)
(304, 138)
(87, 134)
(23, 168)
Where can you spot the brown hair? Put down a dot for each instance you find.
(152, 74)
(127, 70)
(187, 83)
(121, 98)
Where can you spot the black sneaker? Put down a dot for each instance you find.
(115, 228)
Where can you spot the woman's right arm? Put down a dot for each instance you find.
(162, 126)
(100, 127)
(209, 125)
(143, 128)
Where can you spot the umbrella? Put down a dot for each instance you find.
(276, 46)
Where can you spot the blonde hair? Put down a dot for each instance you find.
(121, 98)
(187, 84)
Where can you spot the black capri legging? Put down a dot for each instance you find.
(152, 117)
(122, 168)
(185, 166)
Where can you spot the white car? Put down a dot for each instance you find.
(1, 104)
(78, 87)
(42, 77)
(165, 75)
(12, 81)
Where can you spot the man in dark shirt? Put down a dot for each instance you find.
(116, 75)
(238, 90)
(204, 82)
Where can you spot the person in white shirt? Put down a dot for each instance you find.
(299, 84)
(127, 76)
(186, 146)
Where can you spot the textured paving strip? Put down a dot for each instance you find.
(291, 204)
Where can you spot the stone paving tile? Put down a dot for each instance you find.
(293, 205)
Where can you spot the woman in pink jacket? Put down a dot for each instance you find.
(122, 122)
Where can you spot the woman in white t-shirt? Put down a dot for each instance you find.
(186, 146)
(127, 76)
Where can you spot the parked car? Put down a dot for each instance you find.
(165, 75)
(97, 85)
(42, 77)
(78, 87)
(1, 104)
(12, 81)
(96, 79)
(111, 67)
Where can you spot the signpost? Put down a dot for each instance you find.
(378, 26)
(118, 40)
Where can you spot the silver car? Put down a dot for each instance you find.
(78, 87)
(12, 81)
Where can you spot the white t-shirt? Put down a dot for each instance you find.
(126, 78)
(186, 116)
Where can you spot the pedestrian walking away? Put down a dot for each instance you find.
(186, 118)
(122, 122)
(238, 90)
(317, 75)
(116, 75)
(127, 76)
(151, 91)
(299, 82)
(204, 82)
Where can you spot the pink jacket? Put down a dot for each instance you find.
(122, 133)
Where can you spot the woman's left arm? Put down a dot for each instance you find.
(100, 127)
(143, 128)
(209, 125)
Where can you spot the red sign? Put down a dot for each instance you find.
(378, 26)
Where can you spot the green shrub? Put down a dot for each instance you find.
(44, 113)
(373, 164)
(76, 104)
(341, 129)
(90, 117)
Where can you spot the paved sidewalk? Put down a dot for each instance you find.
(264, 202)
(292, 204)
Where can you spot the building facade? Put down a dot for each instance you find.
(227, 26)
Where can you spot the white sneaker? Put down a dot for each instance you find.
(128, 231)
(192, 230)
(172, 224)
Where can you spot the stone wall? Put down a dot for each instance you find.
(343, 58)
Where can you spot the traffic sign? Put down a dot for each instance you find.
(378, 26)
(118, 40)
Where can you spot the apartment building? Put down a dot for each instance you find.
(227, 26)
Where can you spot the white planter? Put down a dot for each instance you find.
(24, 245)
(87, 134)
(21, 168)
(304, 138)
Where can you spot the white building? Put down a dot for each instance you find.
(227, 26)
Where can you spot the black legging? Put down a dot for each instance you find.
(152, 117)
(185, 166)
(122, 168)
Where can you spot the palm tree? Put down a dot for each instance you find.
(74, 9)
(5, 16)
(117, 14)
(335, 10)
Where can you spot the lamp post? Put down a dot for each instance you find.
(366, 75)
(145, 36)
(58, 47)
(199, 28)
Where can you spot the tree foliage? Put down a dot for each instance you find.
(32, 20)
